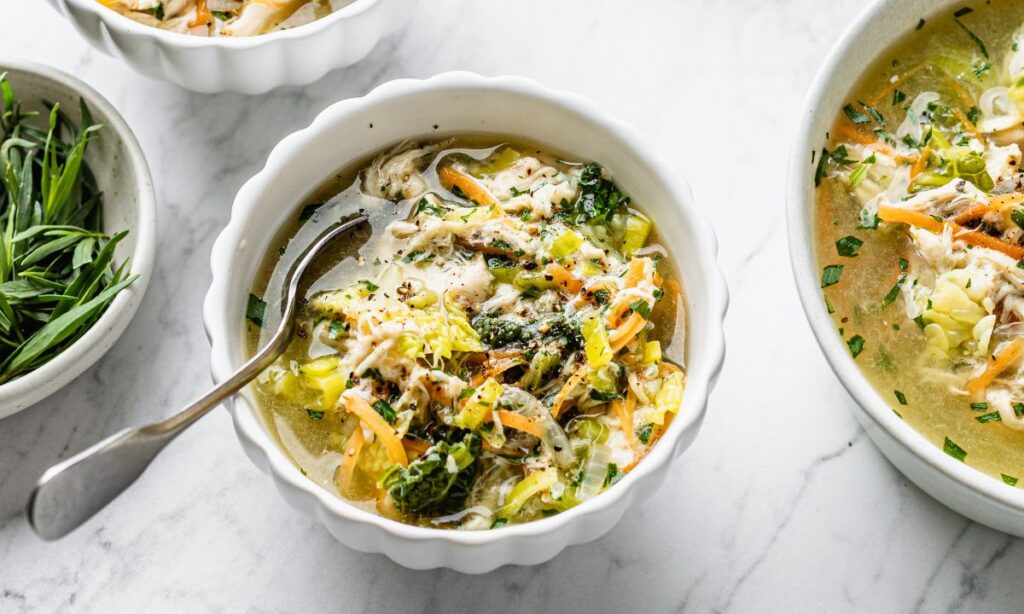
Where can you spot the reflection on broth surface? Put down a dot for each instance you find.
(920, 240)
(503, 341)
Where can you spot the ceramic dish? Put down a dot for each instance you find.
(250, 65)
(966, 490)
(129, 203)
(455, 103)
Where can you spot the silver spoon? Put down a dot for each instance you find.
(72, 491)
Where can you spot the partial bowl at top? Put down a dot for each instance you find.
(913, 134)
(250, 64)
(463, 104)
(129, 203)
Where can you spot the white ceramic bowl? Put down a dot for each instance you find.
(251, 65)
(128, 203)
(455, 103)
(966, 490)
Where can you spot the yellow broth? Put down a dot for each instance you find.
(893, 358)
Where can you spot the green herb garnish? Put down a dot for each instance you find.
(848, 246)
(949, 447)
(255, 310)
(902, 398)
(856, 345)
(315, 414)
(831, 275)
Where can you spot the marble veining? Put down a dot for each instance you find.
(782, 505)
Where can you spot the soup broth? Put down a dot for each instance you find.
(919, 232)
(504, 340)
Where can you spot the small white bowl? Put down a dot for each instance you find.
(128, 204)
(454, 103)
(966, 490)
(250, 65)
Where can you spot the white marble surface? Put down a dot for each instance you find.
(782, 505)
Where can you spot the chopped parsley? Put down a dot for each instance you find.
(315, 414)
(425, 206)
(949, 447)
(1009, 479)
(255, 310)
(848, 246)
(979, 406)
(855, 116)
(644, 433)
(856, 345)
(385, 410)
(831, 275)
(990, 417)
(902, 398)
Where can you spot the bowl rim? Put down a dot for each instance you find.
(804, 267)
(704, 251)
(131, 27)
(125, 304)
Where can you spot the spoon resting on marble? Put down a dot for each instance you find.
(72, 491)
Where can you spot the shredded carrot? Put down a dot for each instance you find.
(634, 273)
(380, 428)
(972, 213)
(520, 422)
(1000, 362)
(472, 188)
(921, 164)
(624, 412)
(203, 15)
(563, 394)
(971, 237)
(351, 455)
(495, 368)
(626, 331)
(415, 447)
(564, 278)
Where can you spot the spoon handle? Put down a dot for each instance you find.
(71, 492)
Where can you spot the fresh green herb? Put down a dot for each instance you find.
(613, 475)
(368, 285)
(902, 398)
(499, 522)
(904, 264)
(992, 417)
(255, 310)
(848, 246)
(465, 393)
(979, 406)
(56, 277)
(974, 37)
(1017, 216)
(874, 113)
(599, 197)
(598, 395)
(1009, 479)
(658, 294)
(1018, 409)
(819, 170)
(644, 433)
(828, 305)
(949, 447)
(385, 410)
(425, 206)
(315, 414)
(893, 292)
(855, 116)
(641, 307)
(336, 328)
(856, 345)
(898, 97)
(831, 275)
(980, 71)
(309, 211)
(221, 15)
(157, 11)
(868, 220)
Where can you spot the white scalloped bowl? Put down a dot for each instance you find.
(129, 203)
(250, 65)
(455, 103)
(964, 489)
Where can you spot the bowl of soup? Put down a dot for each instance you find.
(247, 46)
(906, 219)
(505, 357)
